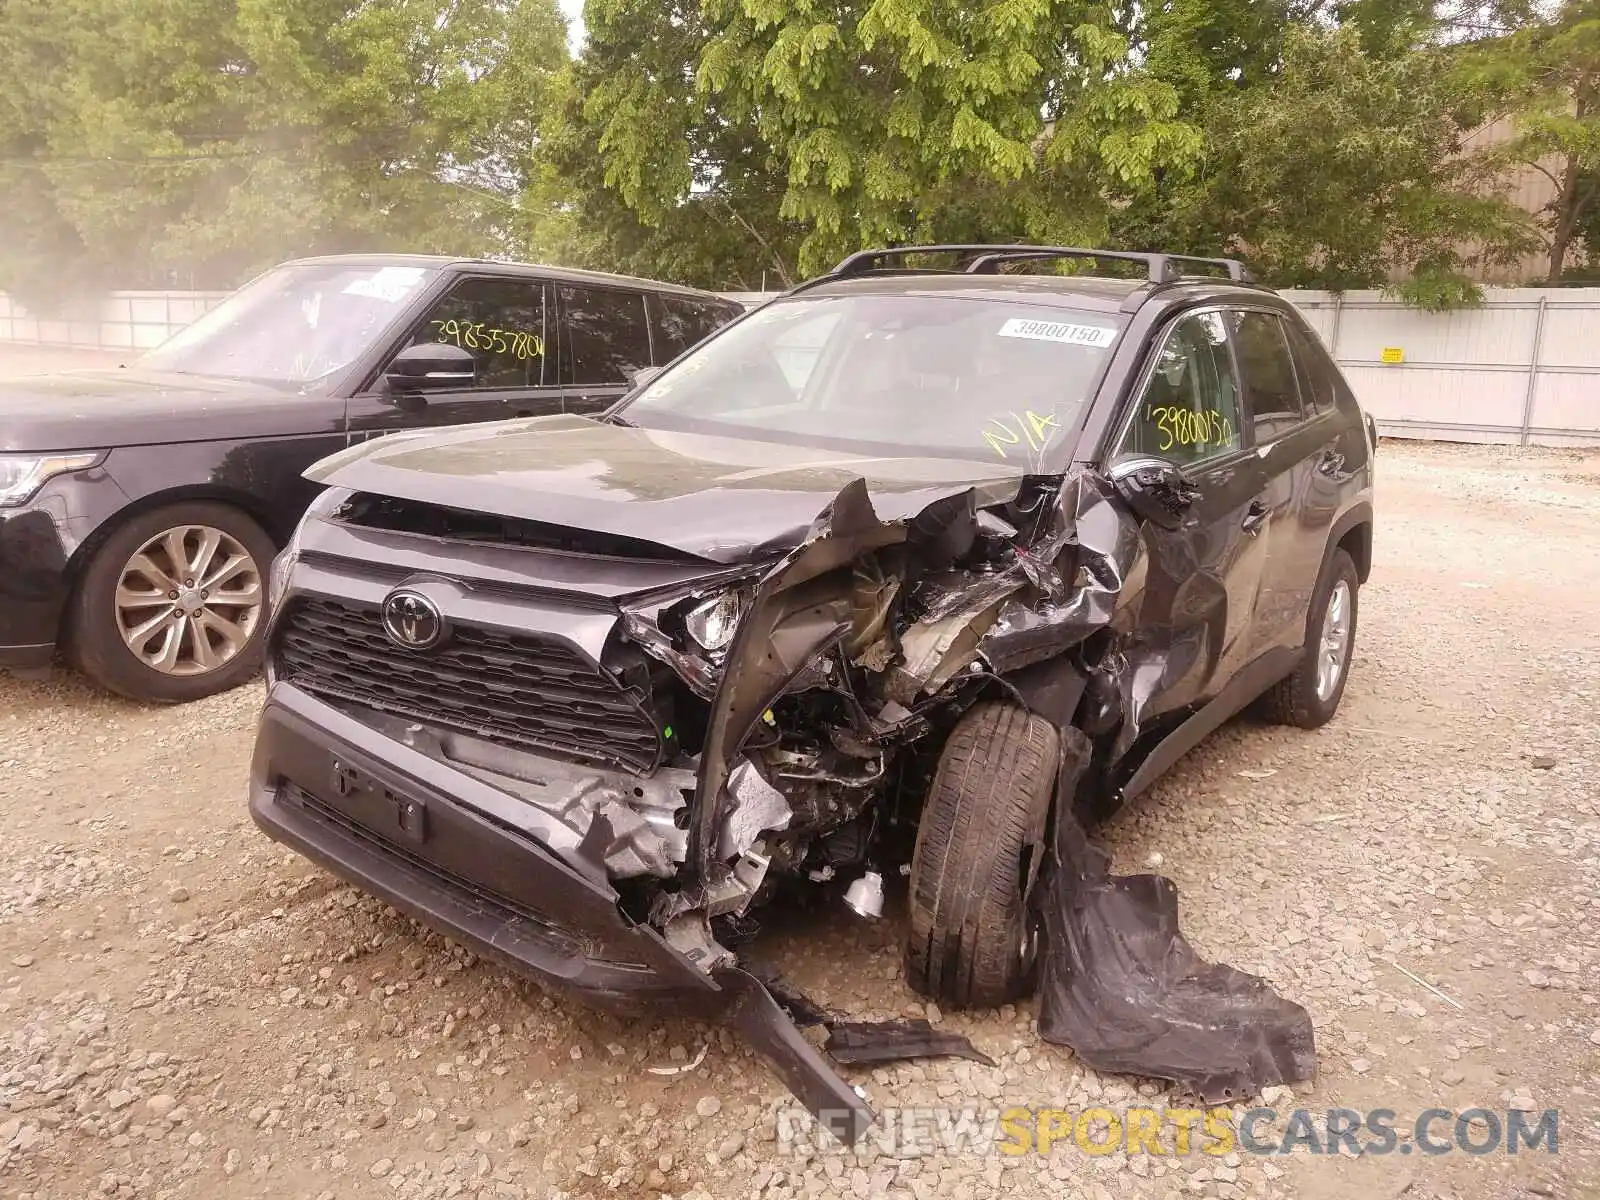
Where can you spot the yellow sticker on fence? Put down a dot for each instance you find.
(1393, 354)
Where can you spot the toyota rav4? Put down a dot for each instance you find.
(822, 602)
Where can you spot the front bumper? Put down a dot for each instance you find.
(416, 833)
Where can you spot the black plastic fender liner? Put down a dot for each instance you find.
(1124, 989)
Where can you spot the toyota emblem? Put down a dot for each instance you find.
(412, 620)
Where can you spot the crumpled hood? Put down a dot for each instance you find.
(104, 409)
(718, 498)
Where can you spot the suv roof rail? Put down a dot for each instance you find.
(1160, 268)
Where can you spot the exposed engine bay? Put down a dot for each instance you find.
(809, 696)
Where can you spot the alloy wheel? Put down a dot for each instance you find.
(188, 600)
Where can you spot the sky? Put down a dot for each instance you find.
(573, 11)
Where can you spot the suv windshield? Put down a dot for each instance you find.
(935, 376)
(294, 325)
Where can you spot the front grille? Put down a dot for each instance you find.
(513, 688)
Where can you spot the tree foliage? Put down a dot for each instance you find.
(212, 139)
(749, 143)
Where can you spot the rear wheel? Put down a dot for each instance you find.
(972, 939)
(1311, 696)
(172, 606)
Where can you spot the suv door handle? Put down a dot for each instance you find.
(1331, 463)
(1255, 517)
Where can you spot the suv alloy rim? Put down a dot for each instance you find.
(1334, 647)
(188, 600)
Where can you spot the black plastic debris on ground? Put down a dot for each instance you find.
(1123, 988)
(853, 1043)
(871, 1042)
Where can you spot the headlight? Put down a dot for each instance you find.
(712, 624)
(21, 475)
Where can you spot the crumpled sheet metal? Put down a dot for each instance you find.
(1124, 989)
(1109, 562)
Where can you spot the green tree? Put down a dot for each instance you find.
(211, 140)
(1544, 77)
(807, 130)
(1346, 170)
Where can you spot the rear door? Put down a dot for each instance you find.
(1296, 444)
(1195, 617)
(507, 324)
(605, 341)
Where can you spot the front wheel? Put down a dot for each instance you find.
(1311, 696)
(172, 606)
(980, 842)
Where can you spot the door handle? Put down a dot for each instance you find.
(1255, 517)
(1331, 463)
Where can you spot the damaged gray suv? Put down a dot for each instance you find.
(898, 574)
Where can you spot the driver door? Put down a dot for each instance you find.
(1195, 627)
(508, 325)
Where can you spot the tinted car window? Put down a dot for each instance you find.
(607, 338)
(681, 322)
(1317, 387)
(1190, 408)
(1272, 392)
(502, 321)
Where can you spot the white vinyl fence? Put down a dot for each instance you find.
(1524, 368)
(121, 321)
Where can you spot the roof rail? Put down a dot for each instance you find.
(1160, 268)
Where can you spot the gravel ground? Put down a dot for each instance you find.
(190, 1011)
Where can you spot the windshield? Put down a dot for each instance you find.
(934, 376)
(294, 325)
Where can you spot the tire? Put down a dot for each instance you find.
(979, 843)
(218, 635)
(1297, 700)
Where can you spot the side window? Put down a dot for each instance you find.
(1272, 393)
(606, 336)
(681, 322)
(1317, 386)
(502, 321)
(1190, 407)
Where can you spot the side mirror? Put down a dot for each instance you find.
(643, 376)
(431, 366)
(1156, 490)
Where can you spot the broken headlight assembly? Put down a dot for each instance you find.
(712, 623)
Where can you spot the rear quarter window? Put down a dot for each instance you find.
(681, 322)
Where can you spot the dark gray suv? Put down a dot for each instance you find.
(821, 603)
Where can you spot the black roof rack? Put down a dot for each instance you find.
(1160, 268)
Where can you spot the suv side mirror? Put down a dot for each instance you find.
(1156, 490)
(431, 366)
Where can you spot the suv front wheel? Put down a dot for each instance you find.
(1311, 696)
(972, 939)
